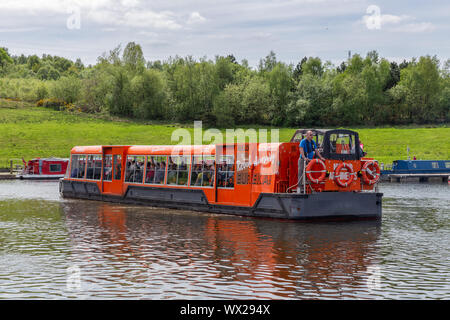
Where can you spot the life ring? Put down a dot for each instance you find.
(311, 168)
(337, 175)
(370, 176)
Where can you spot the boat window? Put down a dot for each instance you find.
(107, 168)
(117, 161)
(56, 167)
(78, 166)
(202, 174)
(178, 170)
(225, 171)
(435, 165)
(134, 172)
(447, 165)
(94, 167)
(156, 169)
(342, 143)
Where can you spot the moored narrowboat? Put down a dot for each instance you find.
(417, 170)
(250, 179)
(44, 168)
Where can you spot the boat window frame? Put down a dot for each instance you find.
(104, 167)
(78, 161)
(218, 163)
(327, 153)
(202, 171)
(188, 169)
(101, 167)
(142, 169)
(115, 165)
(54, 164)
(165, 170)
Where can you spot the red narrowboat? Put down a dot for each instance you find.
(45, 168)
(250, 179)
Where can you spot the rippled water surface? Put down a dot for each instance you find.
(53, 248)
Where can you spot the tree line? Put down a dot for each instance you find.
(223, 92)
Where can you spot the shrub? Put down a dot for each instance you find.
(66, 89)
(52, 103)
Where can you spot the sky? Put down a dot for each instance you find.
(248, 29)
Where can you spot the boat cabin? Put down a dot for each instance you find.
(44, 168)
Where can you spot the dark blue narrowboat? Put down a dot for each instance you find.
(419, 167)
(420, 170)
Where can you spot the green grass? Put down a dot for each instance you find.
(28, 131)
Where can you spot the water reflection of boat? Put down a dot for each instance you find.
(270, 256)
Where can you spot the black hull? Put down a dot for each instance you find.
(324, 205)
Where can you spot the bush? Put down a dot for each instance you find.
(52, 103)
(66, 89)
(41, 92)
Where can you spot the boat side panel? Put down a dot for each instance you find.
(275, 205)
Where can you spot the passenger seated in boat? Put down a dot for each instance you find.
(131, 168)
(160, 173)
(74, 173)
(150, 175)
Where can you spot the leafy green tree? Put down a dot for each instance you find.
(422, 88)
(280, 84)
(268, 63)
(118, 99)
(66, 89)
(149, 95)
(133, 58)
(4, 58)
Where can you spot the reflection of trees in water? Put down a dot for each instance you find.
(181, 247)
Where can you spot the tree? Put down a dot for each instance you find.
(4, 58)
(149, 95)
(422, 88)
(268, 63)
(298, 71)
(133, 58)
(394, 76)
(280, 84)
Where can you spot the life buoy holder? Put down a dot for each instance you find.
(370, 176)
(310, 169)
(337, 175)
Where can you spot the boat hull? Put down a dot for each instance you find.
(39, 176)
(324, 205)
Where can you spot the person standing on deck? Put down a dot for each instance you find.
(308, 149)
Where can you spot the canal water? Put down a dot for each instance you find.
(51, 248)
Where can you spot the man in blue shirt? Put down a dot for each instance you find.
(308, 149)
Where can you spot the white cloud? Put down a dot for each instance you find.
(144, 19)
(415, 27)
(396, 23)
(195, 17)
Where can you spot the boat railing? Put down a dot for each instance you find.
(16, 166)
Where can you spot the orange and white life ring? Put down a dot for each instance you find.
(370, 172)
(342, 182)
(316, 166)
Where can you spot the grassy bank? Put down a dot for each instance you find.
(28, 131)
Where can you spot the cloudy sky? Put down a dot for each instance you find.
(249, 29)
